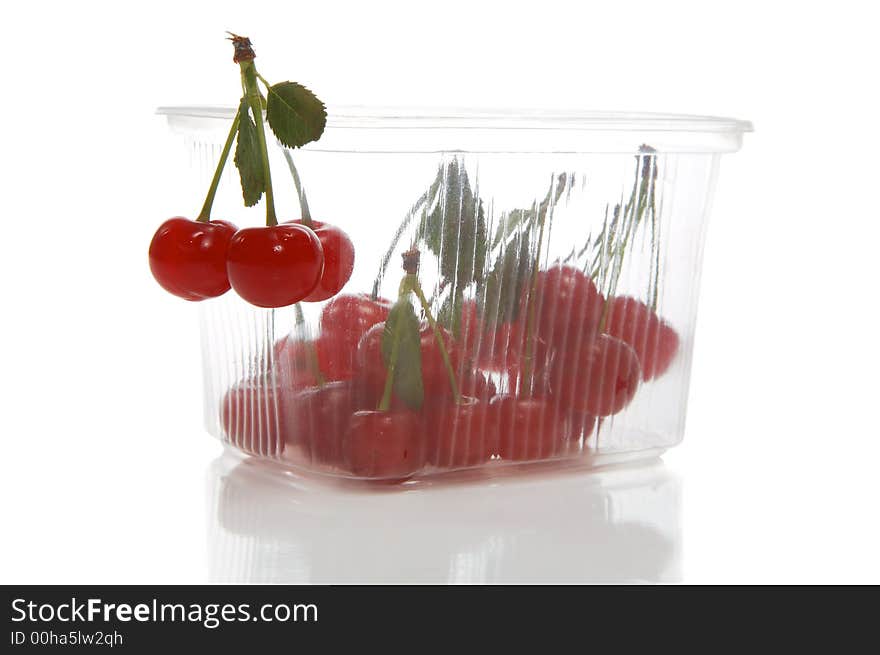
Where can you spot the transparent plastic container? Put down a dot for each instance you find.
(560, 255)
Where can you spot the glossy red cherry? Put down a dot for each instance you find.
(384, 444)
(655, 342)
(601, 378)
(531, 428)
(274, 266)
(188, 258)
(338, 260)
(567, 305)
(344, 320)
(254, 416)
(463, 435)
(350, 316)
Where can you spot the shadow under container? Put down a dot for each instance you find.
(560, 256)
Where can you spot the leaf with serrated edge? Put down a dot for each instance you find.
(403, 324)
(295, 115)
(247, 158)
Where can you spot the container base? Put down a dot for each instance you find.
(429, 476)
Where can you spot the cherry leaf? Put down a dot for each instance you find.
(403, 325)
(295, 115)
(247, 158)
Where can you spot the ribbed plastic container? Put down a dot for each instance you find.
(559, 253)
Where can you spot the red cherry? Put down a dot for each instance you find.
(344, 320)
(274, 266)
(369, 365)
(600, 378)
(531, 428)
(338, 260)
(255, 419)
(568, 305)
(384, 444)
(188, 258)
(463, 435)
(655, 342)
(320, 416)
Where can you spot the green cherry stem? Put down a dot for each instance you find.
(311, 350)
(528, 366)
(300, 192)
(205, 214)
(385, 402)
(252, 93)
(447, 362)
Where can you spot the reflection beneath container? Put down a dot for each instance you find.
(616, 525)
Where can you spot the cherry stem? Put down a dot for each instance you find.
(252, 93)
(528, 367)
(205, 214)
(438, 336)
(300, 192)
(385, 402)
(311, 350)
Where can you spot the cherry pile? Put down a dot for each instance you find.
(521, 398)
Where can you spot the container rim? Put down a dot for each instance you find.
(377, 117)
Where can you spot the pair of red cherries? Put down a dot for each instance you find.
(271, 266)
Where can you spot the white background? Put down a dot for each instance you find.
(105, 473)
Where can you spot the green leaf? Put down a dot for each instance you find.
(403, 325)
(507, 280)
(514, 241)
(247, 158)
(455, 230)
(295, 115)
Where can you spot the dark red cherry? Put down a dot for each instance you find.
(566, 305)
(188, 258)
(601, 378)
(338, 260)
(274, 266)
(384, 444)
(655, 342)
(463, 435)
(531, 428)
